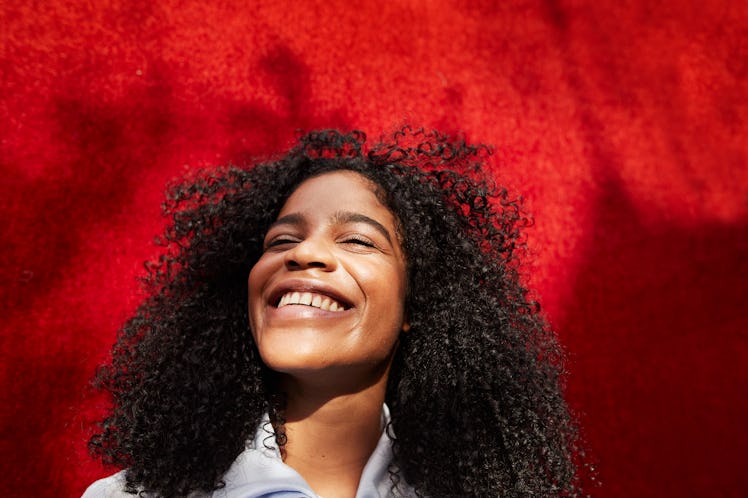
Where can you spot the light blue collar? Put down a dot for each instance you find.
(259, 471)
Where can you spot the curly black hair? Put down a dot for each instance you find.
(475, 389)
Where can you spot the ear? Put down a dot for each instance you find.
(405, 327)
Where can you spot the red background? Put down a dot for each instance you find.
(622, 124)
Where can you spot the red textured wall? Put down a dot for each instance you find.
(623, 124)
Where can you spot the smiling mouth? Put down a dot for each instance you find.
(310, 299)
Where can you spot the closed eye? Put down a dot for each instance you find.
(359, 241)
(280, 241)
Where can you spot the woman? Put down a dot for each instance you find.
(388, 348)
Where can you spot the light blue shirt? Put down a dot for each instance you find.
(259, 472)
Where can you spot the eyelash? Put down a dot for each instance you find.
(279, 242)
(350, 240)
(359, 240)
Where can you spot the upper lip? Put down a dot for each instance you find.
(300, 285)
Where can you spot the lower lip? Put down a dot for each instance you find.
(300, 311)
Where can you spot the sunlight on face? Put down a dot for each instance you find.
(328, 292)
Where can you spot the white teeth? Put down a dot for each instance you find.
(310, 299)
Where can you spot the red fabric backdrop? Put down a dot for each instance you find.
(622, 124)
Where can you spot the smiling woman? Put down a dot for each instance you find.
(349, 260)
(346, 321)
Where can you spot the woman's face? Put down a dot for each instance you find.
(327, 295)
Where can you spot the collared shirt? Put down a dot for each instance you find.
(259, 472)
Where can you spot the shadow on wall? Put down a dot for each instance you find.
(103, 147)
(656, 319)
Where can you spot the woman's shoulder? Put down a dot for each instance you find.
(109, 487)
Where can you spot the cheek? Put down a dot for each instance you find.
(252, 281)
(260, 273)
(386, 290)
(258, 277)
(396, 284)
(253, 286)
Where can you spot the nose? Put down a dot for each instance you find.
(311, 252)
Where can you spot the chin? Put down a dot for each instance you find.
(290, 360)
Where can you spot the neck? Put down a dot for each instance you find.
(331, 435)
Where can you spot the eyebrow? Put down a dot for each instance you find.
(340, 218)
(343, 217)
(289, 219)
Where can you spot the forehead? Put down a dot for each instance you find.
(335, 191)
